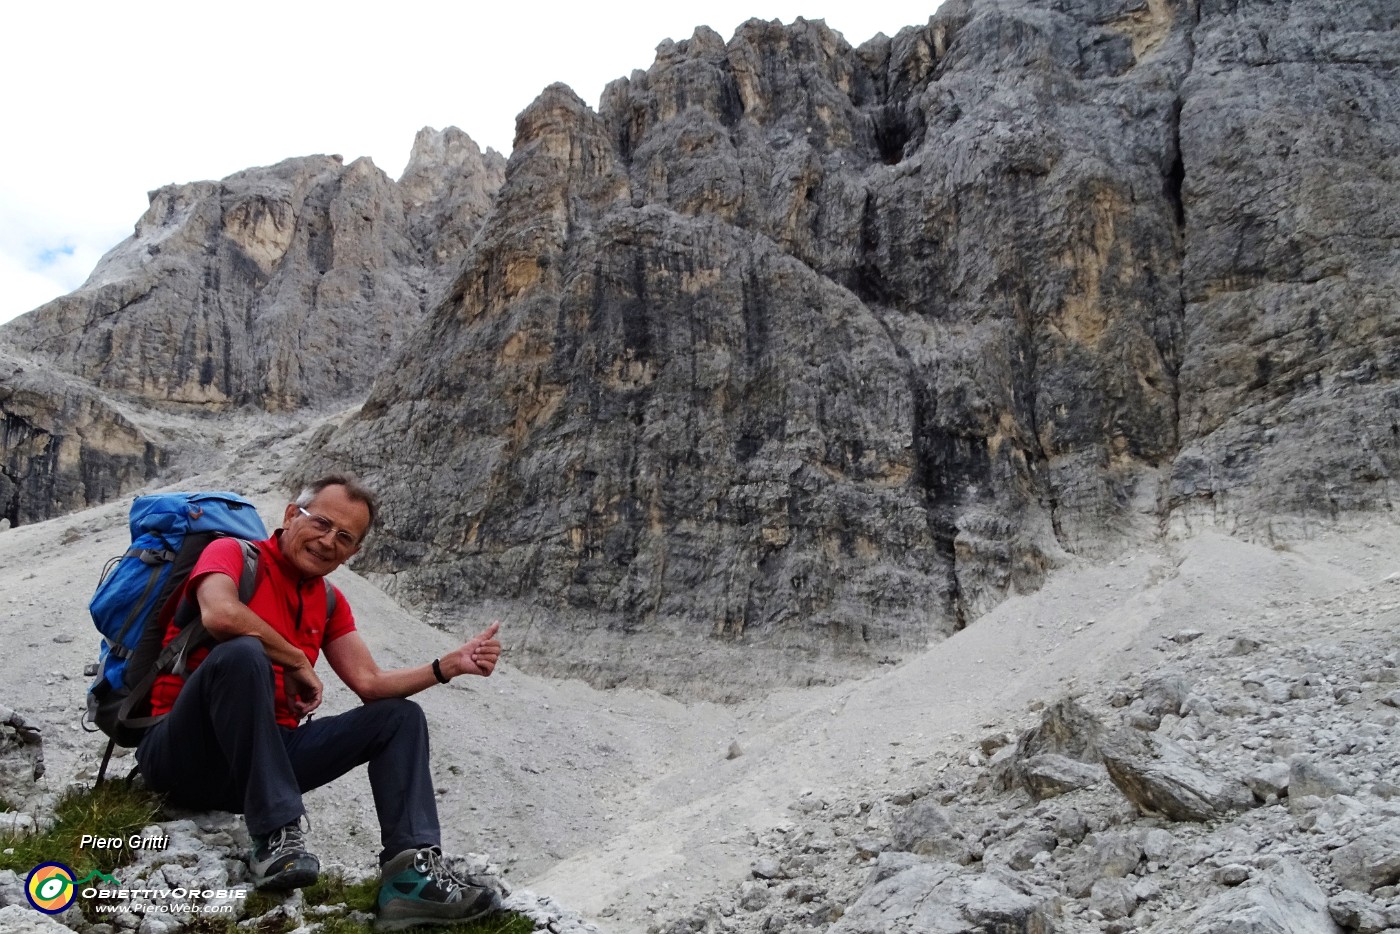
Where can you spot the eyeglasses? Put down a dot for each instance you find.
(322, 525)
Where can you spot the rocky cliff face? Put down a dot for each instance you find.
(812, 352)
(1290, 285)
(279, 287)
(447, 190)
(65, 447)
(825, 350)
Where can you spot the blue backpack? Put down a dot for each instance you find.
(169, 531)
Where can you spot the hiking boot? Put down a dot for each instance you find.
(279, 860)
(416, 887)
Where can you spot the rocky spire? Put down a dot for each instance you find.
(447, 189)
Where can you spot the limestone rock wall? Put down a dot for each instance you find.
(64, 446)
(279, 287)
(1289, 404)
(447, 189)
(811, 353)
(828, 349)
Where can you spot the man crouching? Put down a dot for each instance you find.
(233, 737)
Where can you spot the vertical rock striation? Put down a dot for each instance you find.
(1290, 175)
(447, 189)
(64, 446)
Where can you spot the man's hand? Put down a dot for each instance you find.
(478, 656)
(303, 690)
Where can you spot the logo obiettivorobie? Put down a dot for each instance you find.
(51, 888)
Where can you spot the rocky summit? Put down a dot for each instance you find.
(807, 354)
(227, 290)
(282, 288)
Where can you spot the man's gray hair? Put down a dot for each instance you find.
(354, 489)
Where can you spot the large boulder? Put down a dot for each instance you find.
(1161, 778)
(1370, 861)
(1282, 900)
(936, 898)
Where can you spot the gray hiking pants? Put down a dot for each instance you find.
(221, 748)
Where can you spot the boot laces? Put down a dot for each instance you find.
(434, 865)
(287, 837)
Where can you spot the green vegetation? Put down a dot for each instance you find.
(111, 809)
(332, 889)
(500, 924)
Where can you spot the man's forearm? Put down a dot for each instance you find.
(233, 622)
(400, 682)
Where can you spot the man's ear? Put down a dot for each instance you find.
(289, 514)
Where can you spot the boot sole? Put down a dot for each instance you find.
(286, 881)
(382, 925)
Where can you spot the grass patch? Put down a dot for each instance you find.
(332, 889)
(505, 923)
(110, 809)
(258, 903)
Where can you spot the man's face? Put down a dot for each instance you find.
(313, 551)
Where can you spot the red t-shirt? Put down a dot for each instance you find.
(293, 605)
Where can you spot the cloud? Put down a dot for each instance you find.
(50, 256)
(26, 282)
(22, 289)
(44, 255)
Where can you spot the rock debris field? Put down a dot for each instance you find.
(1198, 736)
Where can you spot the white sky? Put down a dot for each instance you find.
(105, 101)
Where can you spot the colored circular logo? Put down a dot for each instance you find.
(50, 887)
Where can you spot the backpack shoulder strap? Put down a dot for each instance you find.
(248, 580)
